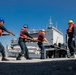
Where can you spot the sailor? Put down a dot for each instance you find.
(23, 38)
(2, 29)
(41, 39)
(71, 37)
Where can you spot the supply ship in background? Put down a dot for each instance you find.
(53, 35)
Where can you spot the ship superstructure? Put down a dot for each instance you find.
(53, 35)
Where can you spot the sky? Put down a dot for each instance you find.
(36, 13)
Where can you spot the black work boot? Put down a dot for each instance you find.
(3, 57)
(72, 55)
(42, 56)
(19, 57)
(27, 57)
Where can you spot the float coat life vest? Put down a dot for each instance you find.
(41, 36)
(23, 35)
(71, 31)
(0, 32)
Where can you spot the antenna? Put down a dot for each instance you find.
(56, 25)
(50, 22)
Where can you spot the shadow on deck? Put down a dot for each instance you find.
(61, 67)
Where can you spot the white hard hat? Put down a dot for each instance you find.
(43, 30)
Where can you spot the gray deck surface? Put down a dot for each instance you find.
(56, 66)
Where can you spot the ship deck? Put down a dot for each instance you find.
(54, 66)
(35, 60)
